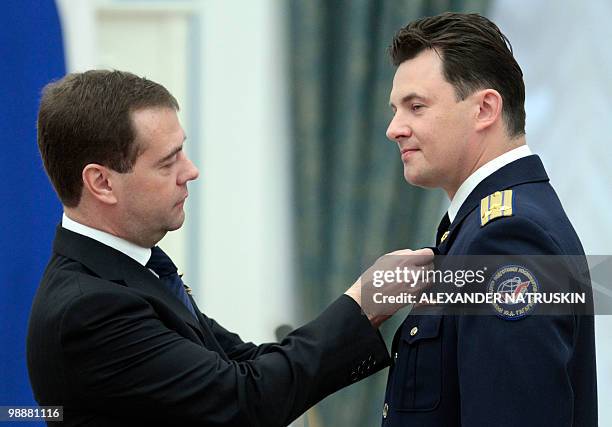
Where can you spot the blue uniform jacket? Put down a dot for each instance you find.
(471, 371)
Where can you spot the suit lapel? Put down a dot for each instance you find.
(210, 339)
(111, 264)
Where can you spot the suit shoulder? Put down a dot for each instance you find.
(65, 281)
(67, 277)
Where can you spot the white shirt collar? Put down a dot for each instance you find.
(481, 173)
(138, 253)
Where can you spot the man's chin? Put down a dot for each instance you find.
(413, 178)
(177, 223)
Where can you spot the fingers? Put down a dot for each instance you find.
(422, 251)
(418, 257)
(423, 256)
(395, 280)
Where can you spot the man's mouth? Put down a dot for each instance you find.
(183, 199)
(407, 152)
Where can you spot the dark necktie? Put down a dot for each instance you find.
(442, 228)
(161, 264)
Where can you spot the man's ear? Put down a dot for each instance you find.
(490, 106)
(98, 182)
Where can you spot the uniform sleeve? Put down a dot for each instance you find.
(123, 358)
(515, 372)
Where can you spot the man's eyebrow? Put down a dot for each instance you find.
(410, 97)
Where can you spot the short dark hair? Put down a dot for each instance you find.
(475, 55)
(86, 118)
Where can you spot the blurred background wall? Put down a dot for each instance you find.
(285, 106)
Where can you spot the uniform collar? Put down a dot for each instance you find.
(481, 174)
(526, 170)
(522, 171)
(137, 253)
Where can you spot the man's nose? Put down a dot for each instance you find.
(398, 129)
(191, 172)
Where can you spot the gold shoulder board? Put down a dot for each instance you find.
(494, 206)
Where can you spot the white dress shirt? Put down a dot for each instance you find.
(480, 174)
(132, 250)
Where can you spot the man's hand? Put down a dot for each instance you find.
(388, 285)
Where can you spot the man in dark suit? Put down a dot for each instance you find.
(113, 335)
(458, 102)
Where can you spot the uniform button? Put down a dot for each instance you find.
(395, 357)
(385, 410)
(414, 331)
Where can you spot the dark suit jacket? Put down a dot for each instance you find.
(108, 342)
(480, 371)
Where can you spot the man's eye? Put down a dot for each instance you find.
(416, 107)
(169, 163)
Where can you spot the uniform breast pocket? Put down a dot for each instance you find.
(417, 383)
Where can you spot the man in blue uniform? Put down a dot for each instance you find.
(458, 102)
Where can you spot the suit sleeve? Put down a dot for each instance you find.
(232, 344)
(124, 358)
(515, 372)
